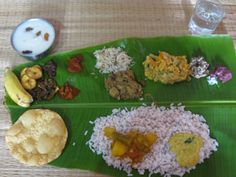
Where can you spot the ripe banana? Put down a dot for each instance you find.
(15, 90)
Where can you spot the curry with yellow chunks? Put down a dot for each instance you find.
(134, 145)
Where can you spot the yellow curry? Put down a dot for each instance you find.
(186, 147)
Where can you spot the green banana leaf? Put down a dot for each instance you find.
(216, 103)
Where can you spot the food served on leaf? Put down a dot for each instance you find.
(74, 64)
(186, 147)
(199, 67)
(212, 80)
(68, 92)
(15, 90)
(28, 83)
(122, 85)
(132, 145)
(172, 141)
(220, 73)
(34, 72)
(45, 89)
(30, 75)
(37, 137)
(166, 68)
(50, 69)
(112, 60)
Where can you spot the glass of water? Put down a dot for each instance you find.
(206, 17)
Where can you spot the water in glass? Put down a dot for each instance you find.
(206, 17)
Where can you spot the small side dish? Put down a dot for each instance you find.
(166, 68)
(46, 86)
(220, 73)
(199, 67)
(33, 38)
(74, 64)
(112, 60)
(45, 89)
(30, 75)
(122, 85)
(68, 92)
(37, 137)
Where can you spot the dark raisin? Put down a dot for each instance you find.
(38, 33)
(28, 29)
(27, 52)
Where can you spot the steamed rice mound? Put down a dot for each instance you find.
(162, 121)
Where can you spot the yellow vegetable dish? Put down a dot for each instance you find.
(133, 144)
(166, 68)
(186, 147)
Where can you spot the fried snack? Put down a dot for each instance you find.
(34, 72)
(27, 82)
(37, 137)
(30, 75)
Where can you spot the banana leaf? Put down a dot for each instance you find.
(216, 103)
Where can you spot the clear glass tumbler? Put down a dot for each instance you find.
(206, 16)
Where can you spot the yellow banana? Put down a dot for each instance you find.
(15, 90)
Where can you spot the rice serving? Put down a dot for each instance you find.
(162, 121)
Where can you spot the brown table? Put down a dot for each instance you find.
(84, 23)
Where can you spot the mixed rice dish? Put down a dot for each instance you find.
(182, 139)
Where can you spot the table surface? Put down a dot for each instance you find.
(82, 23)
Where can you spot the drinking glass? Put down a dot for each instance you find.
(206, 16)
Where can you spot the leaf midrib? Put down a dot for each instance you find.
(134, 104)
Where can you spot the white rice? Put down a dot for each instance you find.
(112, 60)
(160, 120)
(86, 132)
